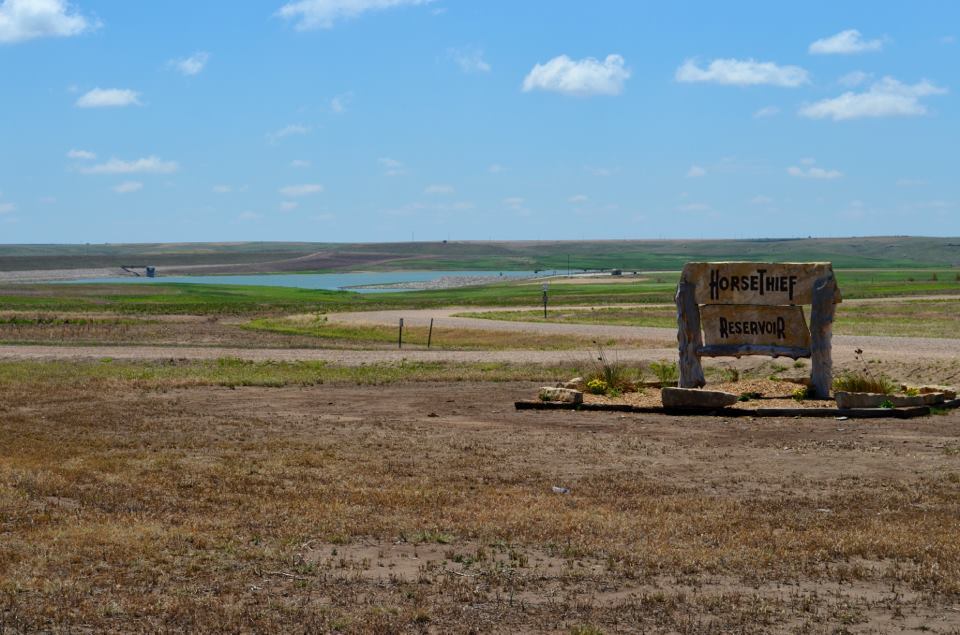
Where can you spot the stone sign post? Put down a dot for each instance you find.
(755, 308)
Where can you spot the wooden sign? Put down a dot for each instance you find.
(750, 308)
(737, 324)
(765, 283)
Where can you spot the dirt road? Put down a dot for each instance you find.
(882, 348)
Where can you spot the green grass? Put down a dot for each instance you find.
(181, 298)
(231, 372)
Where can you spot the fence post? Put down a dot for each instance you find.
(689, 337)
(430, 333)
(400, 335)
(821, 332)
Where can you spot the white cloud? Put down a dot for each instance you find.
(845, 43)
(854, 78)
(83, 155)
(299, 163)
(249, 216)
(599, 171)
(109, 98)
(579, 199)
(288, 206)
(306, 189)
(517, 205)
(495, 168)
(192, 65)
(470, 60)
(439, 188)
(7, 208)
(22, 20)
(695, 207)
(813, 172)
(807, 161)
(912, 182)
(127, 187)
(886, 98)
(766, 111)
(695, 171)
(585, 77)
(146, 165)
(732, 72)
(339, 103)
(439, 209)
(948, 39)
(287, 131)
(322, 14)
(222, 189)
(761, 199)
(392, 167)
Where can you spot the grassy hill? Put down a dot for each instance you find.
(251, 257)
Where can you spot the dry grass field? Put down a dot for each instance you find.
(149, 498)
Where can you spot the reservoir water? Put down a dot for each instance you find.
(331, 281)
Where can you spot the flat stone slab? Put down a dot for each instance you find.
(562, 395)
(851, 413)
(696, 398)
(873, 400)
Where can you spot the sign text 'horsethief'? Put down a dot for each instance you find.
(759, 282)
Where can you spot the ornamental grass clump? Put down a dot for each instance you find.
(609, 377)
(863, 380)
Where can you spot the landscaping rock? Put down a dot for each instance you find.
(696, 398)
(873, 400)
(563, 395)
(574, 383)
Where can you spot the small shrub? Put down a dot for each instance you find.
(597, 386)
(731, 375)
(798, 363)
(912, 392)
(886, 403)
(800, 393)
(747, 396)
(665, 372)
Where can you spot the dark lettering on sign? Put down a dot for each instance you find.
(777, 327)
(759, 282)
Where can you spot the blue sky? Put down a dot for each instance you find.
(382, 120)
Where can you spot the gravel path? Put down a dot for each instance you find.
(901, 349)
